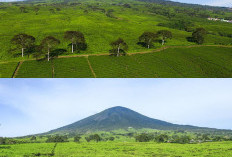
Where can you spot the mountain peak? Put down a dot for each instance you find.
(118, 109)
(118, 117)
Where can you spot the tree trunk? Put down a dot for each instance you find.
(22, 51)
(72, 47)
(148, 45)
(48, 54)
(162, 41)
(118, 50)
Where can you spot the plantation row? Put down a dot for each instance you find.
(26, 43)
(122, 149)
(172, 62)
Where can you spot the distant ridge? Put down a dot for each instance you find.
(161, 2)
(121, 118)
(175, 3)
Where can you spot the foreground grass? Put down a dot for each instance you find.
(193, 62)
(26, 149)
(122, 149)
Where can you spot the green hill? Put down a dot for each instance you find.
(102, 22)
(128, 20)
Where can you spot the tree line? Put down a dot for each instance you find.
(77, 41)
(182, 139)
(27, 42)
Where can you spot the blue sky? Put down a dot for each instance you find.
(227, 3)
(29, 106)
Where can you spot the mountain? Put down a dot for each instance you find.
(120, 118)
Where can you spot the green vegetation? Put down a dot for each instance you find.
(23, 41)
(175, 62)
(198, 35)
(72, 67)
(32, 149)
(119, 47)
(77, 39)
(206, 61)
(123, 149)
(48, 29)
(41, 69)
(121, 143)
(77, 138)
(57, 139)
(102, 22)
(147, 39)
(47, 44)
(7, 69)
(164, 35)
(94, 137)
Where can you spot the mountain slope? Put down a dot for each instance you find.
(119, 118)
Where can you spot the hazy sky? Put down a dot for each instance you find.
(227, 3)
(29, 106)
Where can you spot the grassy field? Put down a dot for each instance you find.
(26, 149)
(194, 62)
(122, 149)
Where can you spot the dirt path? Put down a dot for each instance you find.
(53, 69)
(133, 53)
(17, 69)
(53, 150)
(91, 67)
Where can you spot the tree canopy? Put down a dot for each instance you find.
(143, 137)
(77, 38)
(148, 38)
(165, 34)
(23, 41)
(94, 137)
(48, 43)
(77, 138)
(119, 47)
(198, 35)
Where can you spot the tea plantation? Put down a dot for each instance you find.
(192, 62)
(122, 149)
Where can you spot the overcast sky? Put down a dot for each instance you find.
(29, 106)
